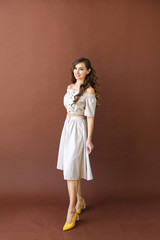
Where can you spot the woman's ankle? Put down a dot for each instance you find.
(79, 198)
(71, 209)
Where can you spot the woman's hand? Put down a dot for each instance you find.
(89, 146)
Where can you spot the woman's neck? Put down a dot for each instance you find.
(79, 82)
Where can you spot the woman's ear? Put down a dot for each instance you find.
(89, 70)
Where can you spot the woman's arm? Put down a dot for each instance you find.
(90, 127)
(90, 112)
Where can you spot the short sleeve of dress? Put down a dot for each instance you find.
(90, 105)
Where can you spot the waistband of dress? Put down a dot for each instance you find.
(75, 117)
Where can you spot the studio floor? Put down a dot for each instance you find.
(106, 219)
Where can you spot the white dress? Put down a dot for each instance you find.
(73, 157)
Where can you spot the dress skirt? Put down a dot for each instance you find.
(73, 157)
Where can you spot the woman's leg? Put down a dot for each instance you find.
(79, 195)
(72, 190)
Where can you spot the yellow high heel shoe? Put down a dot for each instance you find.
(72, 224)
(83, 206)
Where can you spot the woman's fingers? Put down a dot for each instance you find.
(90, 148)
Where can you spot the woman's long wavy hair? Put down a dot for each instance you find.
(90, 79)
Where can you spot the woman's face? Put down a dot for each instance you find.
(80, 71)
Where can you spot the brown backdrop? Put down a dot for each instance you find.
(39, 41)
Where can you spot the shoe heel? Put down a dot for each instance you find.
(84, 205)
(77, 217)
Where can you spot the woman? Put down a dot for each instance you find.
(76, 144)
